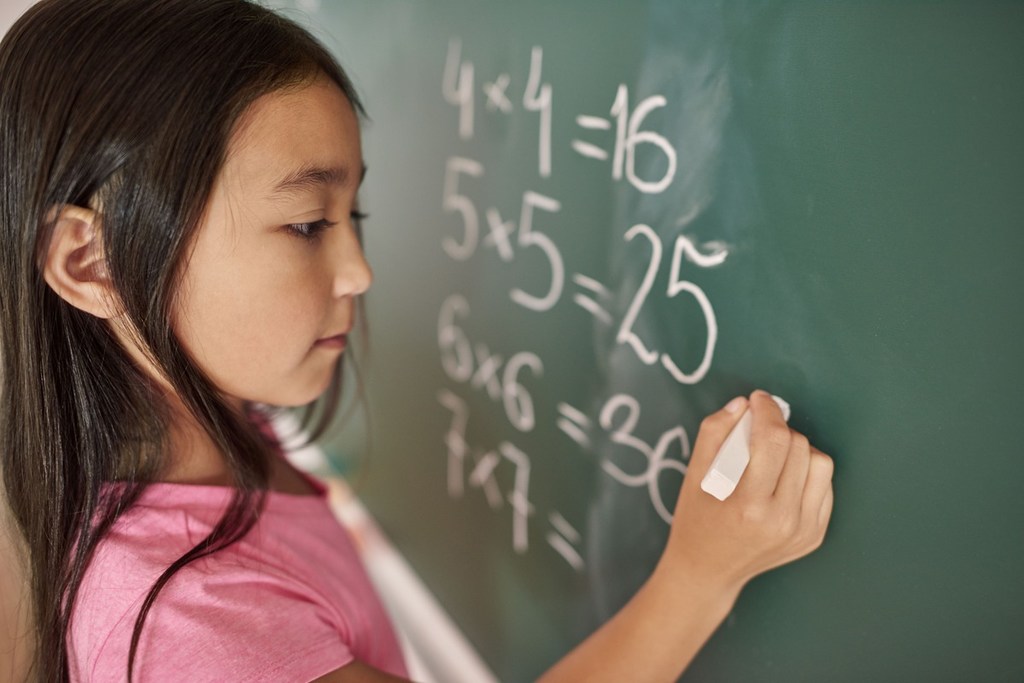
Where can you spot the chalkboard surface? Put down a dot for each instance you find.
(594, 222)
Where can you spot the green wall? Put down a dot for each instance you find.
(849, 175)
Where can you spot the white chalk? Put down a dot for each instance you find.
(734, 456)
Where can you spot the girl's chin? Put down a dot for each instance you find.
(296, 393)
(295, 399)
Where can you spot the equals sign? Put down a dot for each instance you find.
(594, 288)
(588, 149)
(574, 423)
(563, 537)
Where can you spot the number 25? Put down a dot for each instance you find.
(675, 286)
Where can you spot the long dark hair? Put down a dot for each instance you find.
(131, 102)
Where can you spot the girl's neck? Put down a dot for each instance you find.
(197, 460)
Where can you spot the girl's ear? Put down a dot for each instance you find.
(75, 266)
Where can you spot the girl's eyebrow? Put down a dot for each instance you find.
(312, 177)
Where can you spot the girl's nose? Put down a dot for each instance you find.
(353, 275)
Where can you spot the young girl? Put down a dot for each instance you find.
(181, 251)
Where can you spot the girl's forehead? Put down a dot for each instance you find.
(286, 132)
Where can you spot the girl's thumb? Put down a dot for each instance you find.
(713, 431)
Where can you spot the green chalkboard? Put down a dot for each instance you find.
(594, 222)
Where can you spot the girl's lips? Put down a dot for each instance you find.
(336, 342)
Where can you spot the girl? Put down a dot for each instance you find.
(181, 251)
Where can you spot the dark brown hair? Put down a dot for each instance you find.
(132, 102)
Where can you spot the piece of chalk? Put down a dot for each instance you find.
(734, 456)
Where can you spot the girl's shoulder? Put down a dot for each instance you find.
(169, 519)
(295, 572)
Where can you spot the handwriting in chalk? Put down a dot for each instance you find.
(526, 236)
(479, 469)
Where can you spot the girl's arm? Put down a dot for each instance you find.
(778, 513)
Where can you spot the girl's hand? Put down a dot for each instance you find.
(778, 512)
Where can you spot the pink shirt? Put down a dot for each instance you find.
(289, 602)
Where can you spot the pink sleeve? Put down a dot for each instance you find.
(240, 626)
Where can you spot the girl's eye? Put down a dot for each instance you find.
(358, 217)
(357, 223)
(309, 231)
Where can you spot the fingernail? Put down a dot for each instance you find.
(761, 392)
(735, 405)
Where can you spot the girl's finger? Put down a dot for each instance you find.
(819, 481)
(793, 477)
(825, 513)
(769, 446)
(713, 431)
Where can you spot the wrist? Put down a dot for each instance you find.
(683, 579)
